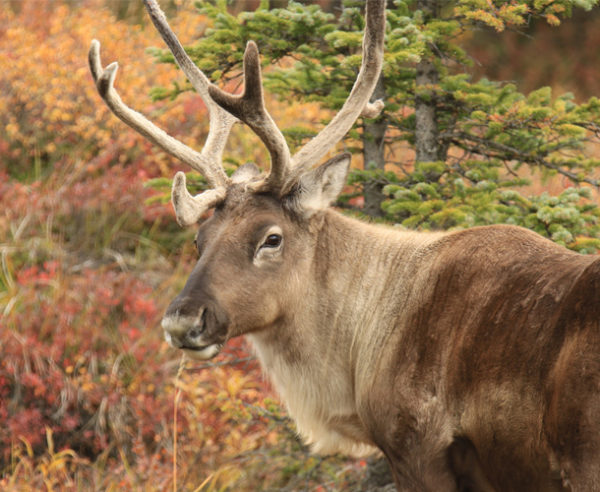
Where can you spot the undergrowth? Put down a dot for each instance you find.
(89, 258)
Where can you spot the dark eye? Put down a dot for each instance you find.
(272, 241)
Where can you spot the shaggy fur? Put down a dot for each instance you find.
(471, 358)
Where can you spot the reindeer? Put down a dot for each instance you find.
(471, 359)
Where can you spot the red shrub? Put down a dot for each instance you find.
(81, 354)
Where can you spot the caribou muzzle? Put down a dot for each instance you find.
(198, 328)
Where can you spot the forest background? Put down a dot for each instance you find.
(91, 397)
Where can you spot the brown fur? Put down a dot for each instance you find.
(471, 359)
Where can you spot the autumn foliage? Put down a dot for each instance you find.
(89, 259)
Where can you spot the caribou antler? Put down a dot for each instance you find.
(357, 103)
(188, 209)
(224, 109)
(220, 120)
(105, 77)
(250, 108)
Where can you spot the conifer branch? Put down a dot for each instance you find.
(507, 153)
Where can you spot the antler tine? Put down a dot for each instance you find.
(357, 103)
(220, 120)
(104, 79)
(188, 208)
(250, 108)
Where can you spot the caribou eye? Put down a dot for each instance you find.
(272, 241)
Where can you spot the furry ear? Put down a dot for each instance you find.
(319, 187)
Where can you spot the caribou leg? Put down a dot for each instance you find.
(466, 466)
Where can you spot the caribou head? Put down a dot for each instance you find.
(255, 250)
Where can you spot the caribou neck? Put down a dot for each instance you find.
(318, 355)
(366, 277)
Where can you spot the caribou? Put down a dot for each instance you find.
(470, 359)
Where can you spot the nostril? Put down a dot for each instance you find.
(200, 327)
(182, 330)
(196, 331)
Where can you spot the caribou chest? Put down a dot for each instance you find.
(319, 399)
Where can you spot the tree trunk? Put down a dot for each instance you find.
(427, 144)
(374, 155)
(426, 133)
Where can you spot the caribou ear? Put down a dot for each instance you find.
(318, 188)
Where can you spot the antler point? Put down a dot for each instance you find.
(110, 72)
(94, 59)
(106, 80)
(373, 109)
(179, 179)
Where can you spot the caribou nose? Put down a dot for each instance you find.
(181, 332)
(183, 307)
(182, 325)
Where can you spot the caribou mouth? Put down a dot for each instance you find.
(204, 352)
